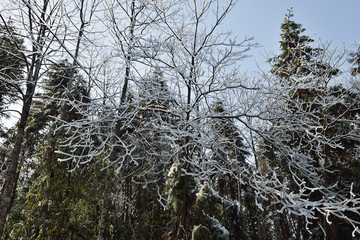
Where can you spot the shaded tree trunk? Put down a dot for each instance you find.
(105, 209)
(8, 191)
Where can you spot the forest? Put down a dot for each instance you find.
(133, 119)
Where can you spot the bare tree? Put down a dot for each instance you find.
(199, 65)
(202, 65)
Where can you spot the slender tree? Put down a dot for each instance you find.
(39, 43)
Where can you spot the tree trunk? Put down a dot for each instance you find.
(8, 191)
(183, 224)
(105, 209)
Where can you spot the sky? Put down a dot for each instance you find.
(335, 21)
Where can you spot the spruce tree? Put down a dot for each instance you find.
(297, 57)
(313, 133)
(50, 196)
(225, 202)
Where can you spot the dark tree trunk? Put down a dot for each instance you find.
(105, 208)
(8, 191)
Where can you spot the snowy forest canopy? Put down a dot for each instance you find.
(134, 121)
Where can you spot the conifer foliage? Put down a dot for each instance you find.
(297, 57)
(11, 65)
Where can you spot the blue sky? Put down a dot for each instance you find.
(332, 21)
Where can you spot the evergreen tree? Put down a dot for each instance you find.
(221, 204)
(12, 63)
(54, 197)
(238, 204)
(150, 159)
(11, 66)
(306, 142)
(297, 57)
